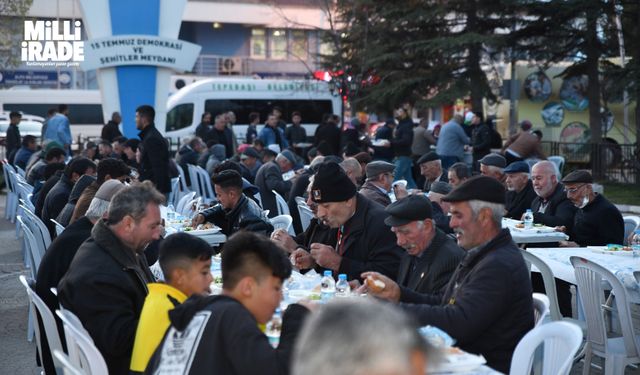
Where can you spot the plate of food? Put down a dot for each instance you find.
(613, 249)
(202, 229)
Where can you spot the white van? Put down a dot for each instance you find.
(245, 95)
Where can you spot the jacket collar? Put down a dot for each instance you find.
(236, 209)
(474, 255)
(145, 132)
(356, 223)
(107, 240)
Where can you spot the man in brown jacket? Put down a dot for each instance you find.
(524, 144)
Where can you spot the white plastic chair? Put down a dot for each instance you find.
(48, 321)
(183, 182)
(174, 194)
(62, 361)
(42, 232)
(180, 207)
(561, 342)
(20, 171)
(540, 307)
(59, 227)
(631, 223)
(559, 163)
(300, 201)
(620, 351)
(282, 222)
(82, 351)
(306, 215)
(283, 207)
(205, 184)
(11, 204)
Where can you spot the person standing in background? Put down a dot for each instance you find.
(154, 154)
(59, 128)
(111, 131)
(13, 138)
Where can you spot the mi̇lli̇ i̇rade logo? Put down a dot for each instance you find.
(52, 43)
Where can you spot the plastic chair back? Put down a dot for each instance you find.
(205, 183)
(180, 207)
(631, 223)
(32, 313)
(540, 307)
(195, 181)
(589, 276)
(42, 233)
(561, 342)
(59, 227)
(306, 215)
(549, 283)
(83, 353)
(183, 183)
(636, 274)
(282, 222)
(20, 171)
(283, 207)
(558, 161)
(34, 256)
(63, 362)
(48, 321)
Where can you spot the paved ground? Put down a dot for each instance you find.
(17, 355)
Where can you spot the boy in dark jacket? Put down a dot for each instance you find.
(220, 334)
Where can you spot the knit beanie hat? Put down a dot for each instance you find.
(331, 184)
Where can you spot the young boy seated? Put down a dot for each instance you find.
(220, 334)
(186, 263)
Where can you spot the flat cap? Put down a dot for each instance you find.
(250, 152)
(378, 167)
(494, 160)
(579, 176)
(517, 167)
(441, 187)
(108, 189)
(406, 210)
(481, 188)
(429, 156)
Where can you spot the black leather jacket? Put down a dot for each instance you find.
(245, 215)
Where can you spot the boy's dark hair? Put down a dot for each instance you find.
(106, 143)
(113, 167)
(204, 115)
(121, 139)
(28, 139)
(15, 114)
(249, 254)
(54, 153)
(79, 165)
(51, 111)
(180, 250)
(258, 142)
(228, 179)
(296, 113)
(62, 108)
(51, 169)
(132, 143)
(226, 166)
(146, 111)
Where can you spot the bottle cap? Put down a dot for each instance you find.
(342, 276)
(328, 273)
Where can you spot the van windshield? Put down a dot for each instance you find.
(179, 117)
(310, 110)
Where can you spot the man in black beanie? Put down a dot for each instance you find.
(364, 242)
(487, 306)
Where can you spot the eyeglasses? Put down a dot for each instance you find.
(573, 190)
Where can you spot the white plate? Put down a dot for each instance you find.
(463, 362)
(399, 182)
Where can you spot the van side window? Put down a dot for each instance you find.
(311, 110)
(180, 116)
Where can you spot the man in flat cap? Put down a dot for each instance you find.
(431, 256)
(250, 163)
(269, 178)
(487, 305)
(431, 168)
(597, 221)
(378, 183)
(363, 241)
(520, 191)
(492, 165)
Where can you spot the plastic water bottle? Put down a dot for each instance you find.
(635, 243)
(274, 327)
(528, 219)
(327, 287)
(342, 286)
(171, 212)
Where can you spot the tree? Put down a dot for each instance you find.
(12, 13)
(425, 52)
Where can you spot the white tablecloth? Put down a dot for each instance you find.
(620, 265)
(534, 235)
